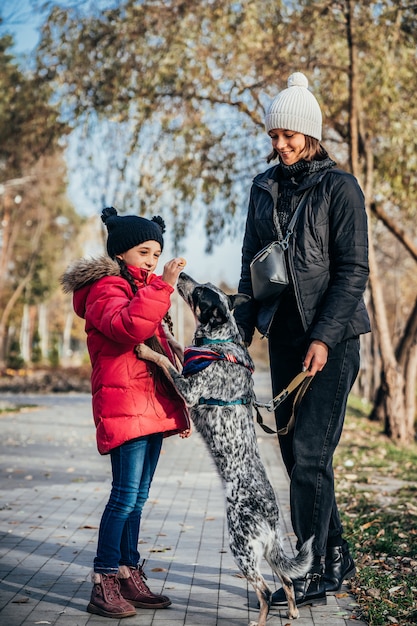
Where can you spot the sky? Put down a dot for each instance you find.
(222, 265)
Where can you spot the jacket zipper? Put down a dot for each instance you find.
(291, 267)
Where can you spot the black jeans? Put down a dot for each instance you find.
(308, 449)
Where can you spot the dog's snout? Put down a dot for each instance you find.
(185, 285)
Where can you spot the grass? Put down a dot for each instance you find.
(376, 484)
(6, 410)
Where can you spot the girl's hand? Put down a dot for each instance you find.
(316, 357)
(172, 269)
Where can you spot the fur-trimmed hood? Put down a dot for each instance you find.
(86, 271)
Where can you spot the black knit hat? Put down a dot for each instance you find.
(127, 231)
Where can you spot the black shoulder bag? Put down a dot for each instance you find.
(268, 267)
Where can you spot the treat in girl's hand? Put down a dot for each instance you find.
(182, 262)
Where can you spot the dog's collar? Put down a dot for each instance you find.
(197, 358)
(217, 402)
(204, 341)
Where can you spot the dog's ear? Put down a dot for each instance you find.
(211, 309)
(238, 299)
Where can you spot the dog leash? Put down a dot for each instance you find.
(302, 382)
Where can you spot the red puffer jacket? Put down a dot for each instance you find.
(126, 401)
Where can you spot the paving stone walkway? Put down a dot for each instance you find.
(53, 488)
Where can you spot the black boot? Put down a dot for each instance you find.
(339, 565)
(308, 590)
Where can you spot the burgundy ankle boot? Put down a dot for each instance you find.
(106, 599)
(134, 589)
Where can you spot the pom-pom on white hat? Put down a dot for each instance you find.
(295, 108)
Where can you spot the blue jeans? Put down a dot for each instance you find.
(308, 449)
(133, 466)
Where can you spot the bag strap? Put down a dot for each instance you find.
(285, 242)
(302, 382)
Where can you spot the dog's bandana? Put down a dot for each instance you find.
(197, 359)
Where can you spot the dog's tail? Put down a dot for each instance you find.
(295, 567)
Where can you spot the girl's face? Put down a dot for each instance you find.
(145, 255)
(288, 144)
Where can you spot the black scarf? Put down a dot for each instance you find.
(289, 178)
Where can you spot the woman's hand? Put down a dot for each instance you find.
(172, 270)
(316, 357)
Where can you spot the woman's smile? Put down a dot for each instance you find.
(289, 145)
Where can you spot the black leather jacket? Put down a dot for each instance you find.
(327, 256)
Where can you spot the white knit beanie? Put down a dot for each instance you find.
(295, 109)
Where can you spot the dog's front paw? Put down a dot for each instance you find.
(143, 351)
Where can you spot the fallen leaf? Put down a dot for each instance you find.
(22, 600)
(88, 527)
(369, 524)
(159, 549)
(158, 569)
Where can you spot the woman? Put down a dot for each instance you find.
(316, 322)
(124, 303)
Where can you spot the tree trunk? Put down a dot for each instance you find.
(43, 330)
(66, 338)
(410, 392)
(391, 396)
(6, 313)
(25, 335)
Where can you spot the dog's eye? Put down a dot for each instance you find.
(196, 295)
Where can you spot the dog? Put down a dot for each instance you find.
(217, 386)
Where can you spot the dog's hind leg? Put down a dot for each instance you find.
(248, 556)
(263, 593)
(288, 588)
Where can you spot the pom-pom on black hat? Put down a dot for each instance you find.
(127, 231)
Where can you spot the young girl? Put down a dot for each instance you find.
(124, 303)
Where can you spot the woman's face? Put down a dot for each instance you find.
(288, 144)
(145, 255)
